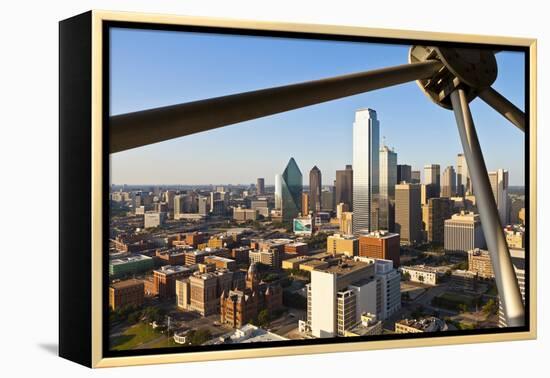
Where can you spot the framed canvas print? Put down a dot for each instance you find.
(235, 189)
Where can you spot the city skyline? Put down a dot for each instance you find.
(263, 146)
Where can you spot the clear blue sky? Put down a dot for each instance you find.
(157, 68)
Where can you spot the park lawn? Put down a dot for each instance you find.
(134, 336)
(457, 298)
(165, 343)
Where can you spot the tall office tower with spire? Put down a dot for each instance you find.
(448, 182)
(388, 180)
(366, 152)
(432, 176)
(315, 190)
(291, 191)
(463, 182)
(344, 186)
(499, 185)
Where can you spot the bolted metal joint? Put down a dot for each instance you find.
(471, 70)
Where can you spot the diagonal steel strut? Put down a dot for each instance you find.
(505, 276)
(141, 128)
(502, 105)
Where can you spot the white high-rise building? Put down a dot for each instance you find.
(366, 142)
(499, 185)
(463, 233)
(388, 287)
(388, 180)
(338, 295)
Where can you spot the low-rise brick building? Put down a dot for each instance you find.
(126, 293)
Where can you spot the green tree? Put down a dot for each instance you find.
(263, 318)
(154, 314)
(490, 308)
(198, 337)
(270, 277)
(134, 317)
(406, 276)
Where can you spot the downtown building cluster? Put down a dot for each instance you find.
(330, 252)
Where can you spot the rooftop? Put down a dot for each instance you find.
(341, 236)
(464, 216)
(126, 284)
(429, 324)
(219, 258)
(420, 268)
(172, 269)
(171, 252)
(198, 252)
(246, 334)
(346, 267)
(381, 234)
(129, 259)
(296, 244)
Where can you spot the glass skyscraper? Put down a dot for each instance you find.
(366, 146)
(290, 191)
(315, 190)
(344, 187)
(388, 180)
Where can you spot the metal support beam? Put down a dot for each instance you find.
(141, 128)
(505, 277)
(501, 104)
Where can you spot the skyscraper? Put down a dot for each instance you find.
(388, 180)
(366, 141)
(337, 296)
(448, 182)
(415, 177)
(434, 214)
(315, 190)
(432, 176)
(427, 191)
(499, 184)
(291, 191)
(327, 200)
(344, 186)
(408, 216)
(278, 192)
(463, 233)
(463, 183)
(260, 186)
(305, 203)
(403, 173)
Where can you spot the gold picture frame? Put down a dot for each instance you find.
(94, 29)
